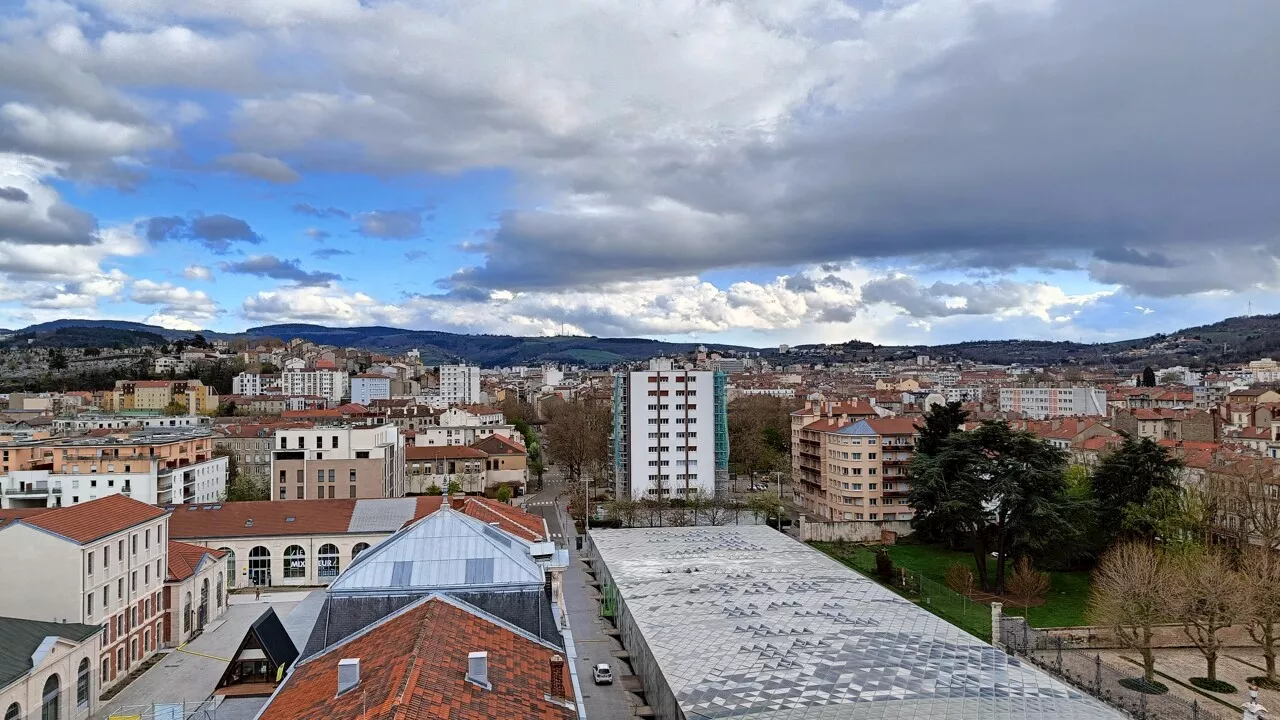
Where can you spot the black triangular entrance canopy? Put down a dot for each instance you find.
(267, 634)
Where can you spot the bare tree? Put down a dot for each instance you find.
(1131, 596)
(1208, 596)
(1260, 572)
(715, 512)
(1249, 505)
(1027, 584)
(960, 578)
(577, 437)
(625, 510)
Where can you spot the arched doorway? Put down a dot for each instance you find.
(51, 700)
(359, 548)
(231, 566)
(295, 562)
(259, 566)
(327, 561)
(13, 712)
(202, 615)
(186, 615)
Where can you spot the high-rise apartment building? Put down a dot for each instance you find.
(324, 380)
(670, 433)
(855, 469)
(1038, 403)
(338, 461)
(367, 387)
(459, 384)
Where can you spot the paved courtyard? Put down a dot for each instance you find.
(192, 673)
(1235, 665)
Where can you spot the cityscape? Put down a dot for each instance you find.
(678, 360)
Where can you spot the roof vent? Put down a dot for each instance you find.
(248, 523)
(348, 674)
(290, 519)
(478, 669)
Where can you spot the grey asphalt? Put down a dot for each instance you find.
(183, 675)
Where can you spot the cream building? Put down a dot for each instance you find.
(99, 563)
(48, 669)
(195, 591)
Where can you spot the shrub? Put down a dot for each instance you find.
(884, 566)
(1153, 687)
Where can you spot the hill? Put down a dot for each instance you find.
(74, 336)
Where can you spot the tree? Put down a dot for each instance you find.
(1126, 476)
(1165, 516)
(455, 487)
(175, 409)
(57, 359)
(1027, 584)
(1002, 490)
(1170, 377)
(578, 436)
(759, 435)
(246, 488)
(226, 409)
(884, 566)
(625, 510)
(1208, 596)
(960, 578)
(1148, 377)
(268, 369)
(1248, 507)
(939, 424)
(504, 494)
(1131, 596)
(1260, 573)
(433, 489)
(766, 504)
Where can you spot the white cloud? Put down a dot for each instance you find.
(197, 272)
(191, 306)
(62, 132)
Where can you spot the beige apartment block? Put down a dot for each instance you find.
(338, 461)
(855, 470)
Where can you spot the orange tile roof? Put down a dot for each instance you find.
(894, 425)
(185, 558)
(497, 444)
(827, 425)
(96, 519)
(514, 520)
(442, 452)
(15, 514)
(413, 666)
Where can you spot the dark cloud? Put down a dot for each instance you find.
(13, 194)
(258, 166)
(218, 233)
(800, 283)
(1129, 256)
(326, 212)
(390, 224)
(1039, 140)
(945, 299)
(270, 266)
(327, 253)
(60, 224)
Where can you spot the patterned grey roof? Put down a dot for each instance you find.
(382, 514)
(746, 622)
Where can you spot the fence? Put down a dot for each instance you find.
(1086, 670)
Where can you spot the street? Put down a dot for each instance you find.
(602, 702)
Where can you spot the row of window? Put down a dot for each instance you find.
(133, 549)
(673, 448)
(301, 492)
(837, 470)
(51, 696)
(302, 442)
(840, 455)
(295, 562)
(678, 421)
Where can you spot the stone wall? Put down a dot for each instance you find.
(866, 531)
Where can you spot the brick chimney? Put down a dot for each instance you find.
(457, 500)
(557, 677)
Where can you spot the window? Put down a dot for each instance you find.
(231, 566)
(106, 670)
(82, 684)
(300, 492)
(259, 566)
(88, 604)
(871, 456)
(320, 476)
(89, 565)
(327, 560)
(335, 441)
(133, 581)
(133, 544)
(52, 698)
(284, 491)
(146, 543)
(359, 548)
(13, 713)
(146, 575)
(299, 474)
(362, 454)
(352, 491)
(120, 589)
(283, 477)
(331, 473)
(295, 562)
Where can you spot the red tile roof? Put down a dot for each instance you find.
(413, 666)
(11, 516)
(442, 452)
(268, 517)
(514, 520)
(827, 425)
(185, 558)
(894, 425)
(497, 444)
(96, 519)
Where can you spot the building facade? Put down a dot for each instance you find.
(328, 382)
(1040, 403)
(367, 387)
(670, 433)
(99, 563)
(194, 591)
(194, 396)
(60, 678)
(338, 461)
(459, 384)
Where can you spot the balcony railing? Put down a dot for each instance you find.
(35, 489)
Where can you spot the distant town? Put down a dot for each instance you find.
(232, 499)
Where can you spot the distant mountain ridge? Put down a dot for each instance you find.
(1229, 340)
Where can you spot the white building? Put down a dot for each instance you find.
(101, 563)
(367, 387)
(1041, 403)
(97, 421)
(971, 393)
(333, 461)
(458, 426)
(165, 365)
(324, 380)
(665, 425)
(459, 384)
(60, 678)
(248, 383)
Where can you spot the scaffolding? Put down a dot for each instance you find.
(620, 484)
(202, 710)
(719, 380)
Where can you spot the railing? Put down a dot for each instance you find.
(1087, 671)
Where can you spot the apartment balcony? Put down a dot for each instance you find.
(39, 489)
(896, 492)
(895, 462)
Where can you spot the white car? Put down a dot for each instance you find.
(602, 674)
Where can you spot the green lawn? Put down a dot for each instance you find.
(1065, 605)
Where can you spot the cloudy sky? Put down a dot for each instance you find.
(754, 171)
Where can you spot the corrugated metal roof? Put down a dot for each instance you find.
(382, 514)
(444, 550)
